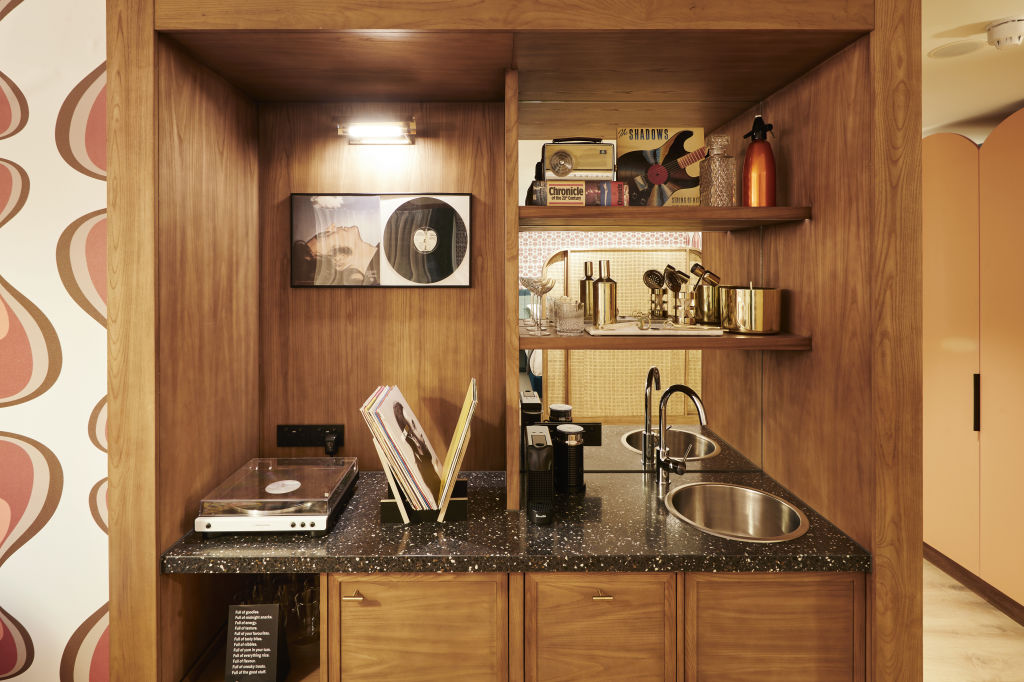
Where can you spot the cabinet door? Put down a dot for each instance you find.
(789, 627)
(950, 345)
(600, 626)
(1002, 362)
(418, 626)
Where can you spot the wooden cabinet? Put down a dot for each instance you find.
(546, 627)
(1002, 363)
(417, 626)
(600, 626)
(787, 627)
(950, 345)
(971, 471)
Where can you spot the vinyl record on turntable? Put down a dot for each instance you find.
(426, 241)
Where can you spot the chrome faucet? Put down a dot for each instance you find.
(677, 465)
(647, 446)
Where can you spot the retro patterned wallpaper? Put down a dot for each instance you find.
(53, 467)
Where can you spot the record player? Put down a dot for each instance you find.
(271, 495)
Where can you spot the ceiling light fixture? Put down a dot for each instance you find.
(1006, 33)
(380, 132)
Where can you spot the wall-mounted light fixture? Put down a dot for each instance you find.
(379, 132)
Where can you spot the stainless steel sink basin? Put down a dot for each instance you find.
(679, 443)
(736, 512)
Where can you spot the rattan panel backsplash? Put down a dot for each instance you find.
(609, 385)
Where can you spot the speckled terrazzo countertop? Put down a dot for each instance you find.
(619, 526)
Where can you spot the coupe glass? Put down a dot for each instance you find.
(540, 288)
(529, 283)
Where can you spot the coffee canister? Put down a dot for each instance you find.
(750, 310)
(569, 459)
(560, 412)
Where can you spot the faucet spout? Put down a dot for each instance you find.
(664, 464)
(647, 446)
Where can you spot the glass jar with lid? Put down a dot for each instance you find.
(718, 174)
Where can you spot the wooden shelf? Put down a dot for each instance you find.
(724, 342)
(657, 218)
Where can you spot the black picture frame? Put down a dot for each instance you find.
(380, 240)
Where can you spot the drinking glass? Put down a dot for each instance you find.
(569, 318)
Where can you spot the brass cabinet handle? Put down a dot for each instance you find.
(355, 596)
(601, 596)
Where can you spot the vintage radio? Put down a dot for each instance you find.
(572, 159)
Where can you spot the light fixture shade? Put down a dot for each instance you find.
(1006, 33)
(379, 132)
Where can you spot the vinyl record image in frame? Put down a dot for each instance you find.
(380, 240)
(425, 240)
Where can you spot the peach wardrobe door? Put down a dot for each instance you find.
(1002, 358)
(950, 345)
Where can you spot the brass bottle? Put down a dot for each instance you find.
(605, 305)
(587, 292)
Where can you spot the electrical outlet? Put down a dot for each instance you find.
(309, 435)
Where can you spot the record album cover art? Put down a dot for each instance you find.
(369, 240)
(661, 166)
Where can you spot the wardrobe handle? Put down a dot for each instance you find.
(977, 402)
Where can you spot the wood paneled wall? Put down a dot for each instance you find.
(842, 423)
(818, 404)
(207, 322)
(731, 380)
(894, 595)
(323, 351)
(511, 284)
(131, 339)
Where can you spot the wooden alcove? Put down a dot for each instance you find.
(218, 110)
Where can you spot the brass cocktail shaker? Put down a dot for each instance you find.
(605, 305)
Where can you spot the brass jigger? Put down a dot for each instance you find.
(698, 270)
(703, 275)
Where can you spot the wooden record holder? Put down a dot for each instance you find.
(458, 507)
(454, 506)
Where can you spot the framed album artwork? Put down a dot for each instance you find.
(380, 240)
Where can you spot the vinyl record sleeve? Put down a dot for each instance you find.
(661, 166)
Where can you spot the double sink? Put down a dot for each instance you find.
(725, 510)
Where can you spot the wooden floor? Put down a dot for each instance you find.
(966, 639)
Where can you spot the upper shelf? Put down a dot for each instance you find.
(656, 218)
(725, 342)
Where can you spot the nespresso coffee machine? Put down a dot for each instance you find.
(540, 475)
